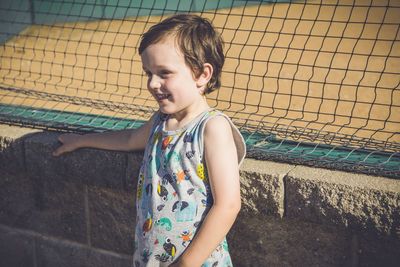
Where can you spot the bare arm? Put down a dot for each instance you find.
(123, 140)
(223, 170)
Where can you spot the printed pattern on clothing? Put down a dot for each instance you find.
(173, 194)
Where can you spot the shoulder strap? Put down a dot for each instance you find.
(237, 136)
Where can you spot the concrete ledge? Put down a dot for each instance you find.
(262, 186)
(12, 156)
(359, 202)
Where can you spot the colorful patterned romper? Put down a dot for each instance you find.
(173, 195)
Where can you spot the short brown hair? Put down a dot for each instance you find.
(197, 40)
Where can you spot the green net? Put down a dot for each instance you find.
(314, 82)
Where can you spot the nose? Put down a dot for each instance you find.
(154, 82)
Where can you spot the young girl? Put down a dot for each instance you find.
(188, 192)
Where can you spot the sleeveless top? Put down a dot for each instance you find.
(173, 192)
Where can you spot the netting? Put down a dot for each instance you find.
(313, 82)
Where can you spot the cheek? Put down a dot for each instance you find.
(181, 88)
(174, 86)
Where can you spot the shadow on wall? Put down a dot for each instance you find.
(72, 209)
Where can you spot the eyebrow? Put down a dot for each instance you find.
(158, 67)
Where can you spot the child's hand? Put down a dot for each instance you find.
(69, 143)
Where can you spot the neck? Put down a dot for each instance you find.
(183, 117)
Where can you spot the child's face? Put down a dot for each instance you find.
(170, 80)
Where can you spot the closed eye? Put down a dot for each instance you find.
(162, 73)
(165, 73)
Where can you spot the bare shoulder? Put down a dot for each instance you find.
(217, 126)
(218, 136)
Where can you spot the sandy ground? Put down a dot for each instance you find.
(335, 70)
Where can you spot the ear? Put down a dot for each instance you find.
(204, 77)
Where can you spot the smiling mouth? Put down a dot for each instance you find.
(160, 97)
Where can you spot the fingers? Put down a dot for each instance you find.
(59, 151)
(67, 141)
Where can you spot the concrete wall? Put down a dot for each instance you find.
(78, 210)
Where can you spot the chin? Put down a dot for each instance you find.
(167, 110)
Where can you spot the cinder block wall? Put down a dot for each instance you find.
(79, 210)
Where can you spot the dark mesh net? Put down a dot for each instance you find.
(313, 82)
